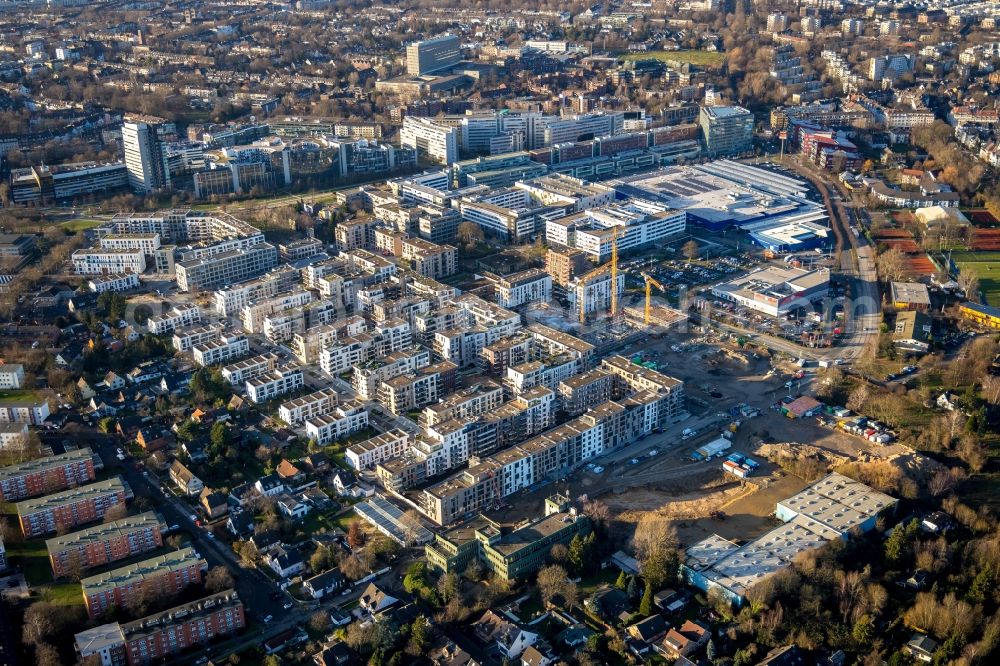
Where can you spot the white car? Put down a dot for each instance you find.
(267, 618)
(634, 461)
(653, 453)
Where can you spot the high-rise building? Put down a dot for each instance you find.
(726, 130)
(145, 158)
(432, 141)
(432, 55)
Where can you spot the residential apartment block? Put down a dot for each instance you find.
(46, 475)
(165, 574)
(106, 543)
(69, 508)
(156, 637)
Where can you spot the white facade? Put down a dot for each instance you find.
(105, 262)
(370, 452)
(274, 385)
(120, 282)
(299, 410)
(11, 376)
(180, 316)
(346, 419)
(431, 141)
(226, 348)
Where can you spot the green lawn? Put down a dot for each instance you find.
(65, 594)
(704, 58)
(986, 266)
(81, 224)
(33, 558)
(344, 520)
(21, 394)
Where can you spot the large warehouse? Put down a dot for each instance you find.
(828, 509)
(723, 194)
(776, 291)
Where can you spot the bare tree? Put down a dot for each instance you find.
(891, 264)
(218, 579)
(969, 282)
(691, 250)
(554, 585)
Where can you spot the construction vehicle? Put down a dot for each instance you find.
(650, 283)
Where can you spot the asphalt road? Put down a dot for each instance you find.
(253, 586)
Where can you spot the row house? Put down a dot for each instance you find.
(297, 411)
(275, 384)
(246, 369)
(346, 419)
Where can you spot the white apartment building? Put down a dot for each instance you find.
(343, 355)
(227, 348)
(465, 404)
(249, 368)
(346, 419)
(119, 282)
(283, 326)
(252, 315)
(186, 338)
(297, 411)
(529, 286)
(108, 262)
(592, 292)
(367, 377)
(432, 141)
(461, 346)
(11, 376)
(230, 300)
(35, 413)
(367, 454)
(13, 435)
(179, 316)
(225, 267)
(148, 243)
(275, 384)
(523, 377)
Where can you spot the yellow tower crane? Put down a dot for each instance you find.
(650, 283)
(614, 272)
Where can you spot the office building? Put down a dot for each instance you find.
(510, 554)
(145, 157)
(226, 267)
(433, 55)
(726, 130)
(432, 141)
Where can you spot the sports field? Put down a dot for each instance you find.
(713, 59)
(986, 266)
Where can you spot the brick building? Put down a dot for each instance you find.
(46, 475)
(106, 543)
(163, 575)
(69, 508)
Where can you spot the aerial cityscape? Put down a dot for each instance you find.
(473, 334)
